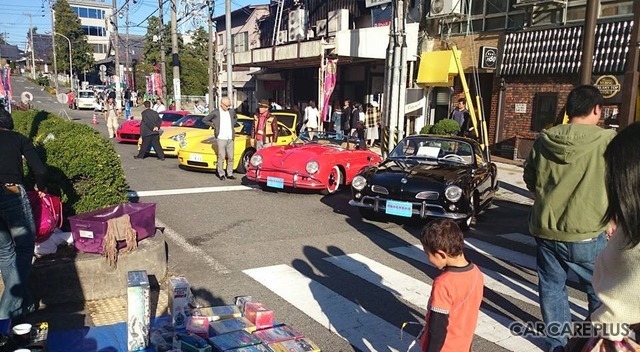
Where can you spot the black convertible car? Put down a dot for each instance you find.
(428, 176)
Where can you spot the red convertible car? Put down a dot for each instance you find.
(129, 131)
(316, 160)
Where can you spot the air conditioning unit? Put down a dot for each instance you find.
(297, 25)
(338, 20)
(321, 28)
(440, 8)
(282, 37)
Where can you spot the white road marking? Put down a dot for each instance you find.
(520, 237)
(498, 282)
(198, 253)
(491, 326)
(360, 328)
(168, 192)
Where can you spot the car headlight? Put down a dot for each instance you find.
(178, 137)
(358, 183)
(453, 193)
(183, 143)
(256, 160)
(312, 167)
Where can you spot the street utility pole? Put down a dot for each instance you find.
(628, 107)
(588, 41)
(227, 21)
(33, 57)
(53, 48)
(126, 45)
(211, 50)
(163, 66)
(175, 61)
(116, 45)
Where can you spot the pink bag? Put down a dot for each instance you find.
(47, 214)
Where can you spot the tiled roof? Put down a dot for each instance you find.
(559, 50)
(10, 52)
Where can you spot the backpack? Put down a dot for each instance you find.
(47, 214)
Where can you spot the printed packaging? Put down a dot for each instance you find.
(190, 343)
(179, 294)
(221, 327)
(218, 313)
(138, 309)
(277, 334)
(240, 301)
(299, 345)
(260, 316)
(235, 339)
(254, 348)
(198, 326)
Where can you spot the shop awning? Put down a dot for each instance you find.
(559, 50)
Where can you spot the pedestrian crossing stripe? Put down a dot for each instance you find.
(501, 283)
(362, 329)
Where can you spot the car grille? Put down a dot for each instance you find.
(197, 163)
(379, 189)
(428, 195)
(129, 136)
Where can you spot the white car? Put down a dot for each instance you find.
(86, 99)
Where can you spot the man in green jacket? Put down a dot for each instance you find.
(565, 172)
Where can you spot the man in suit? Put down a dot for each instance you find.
(223, 120)
(150, 132)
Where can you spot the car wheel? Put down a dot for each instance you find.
(244, 161)
(466, 224)
(334, 180)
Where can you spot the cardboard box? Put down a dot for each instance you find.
(190, 343)
(218, 313)
(235, 339)
(138, 310)
(221, 327)
(179, 295)
(277, 334)
(260, 316)
(299, 345)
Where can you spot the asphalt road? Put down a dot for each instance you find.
(346, 283)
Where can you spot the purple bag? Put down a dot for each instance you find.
(89, 229)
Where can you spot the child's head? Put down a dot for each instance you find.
(442, 239)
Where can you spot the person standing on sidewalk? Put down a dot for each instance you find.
(265, 127)
(150, 132)
(565, 172)
(111, 114)
(222, 120)
(17, 227)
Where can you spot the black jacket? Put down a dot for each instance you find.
(150, 119)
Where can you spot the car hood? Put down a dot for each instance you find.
(131, 124)
(203, 144)
(292, 156)
(391, 172)
(189, 131)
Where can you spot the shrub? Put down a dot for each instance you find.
(446, 127)
(426, 129)
(84, 168)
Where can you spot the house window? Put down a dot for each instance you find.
(220, 39)
(544, 111)
(240, 42)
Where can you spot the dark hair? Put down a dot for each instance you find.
(622, 181)
(443, 235)
(582, 99)
(6, 121)
(147, 104)
(462, 100)
(312, 103)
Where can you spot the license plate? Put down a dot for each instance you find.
(195, 157)
(275, 182)
(399, 208)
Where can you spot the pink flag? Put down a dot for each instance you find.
(9, 85)
(329, 85)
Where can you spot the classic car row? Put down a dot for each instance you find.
(424, 176)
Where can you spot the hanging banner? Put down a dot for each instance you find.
(369, 3)
(149, 82)
(329, 84)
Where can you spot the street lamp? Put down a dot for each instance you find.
(70, 61)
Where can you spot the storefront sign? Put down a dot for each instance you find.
(370, 3)
(521, 108)
(608, 85)
(381, 16)
(488, 57)
(411, 107)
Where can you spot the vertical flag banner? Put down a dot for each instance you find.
(329, 84)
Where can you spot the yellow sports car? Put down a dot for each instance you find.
(173, 137)
(198, 152)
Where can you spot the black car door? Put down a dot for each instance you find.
(482, 176)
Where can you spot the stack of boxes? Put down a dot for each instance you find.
(244, 327)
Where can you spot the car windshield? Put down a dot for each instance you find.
(191, 121)
(327, 138)
(244, 127)
(285, 118)
(85, 94)
(171, 117)
(434, 148)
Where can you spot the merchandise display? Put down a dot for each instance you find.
(228, 325)
(179, 293)
(299, 345)
(138, 310)
(218, 313)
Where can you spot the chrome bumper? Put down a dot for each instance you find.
(422, 209)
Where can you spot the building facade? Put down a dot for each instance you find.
(95, 18)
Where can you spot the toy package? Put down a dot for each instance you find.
(228, 325)
(299, 345)
(138, 310)
(277, 334)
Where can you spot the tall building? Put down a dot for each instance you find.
(95, 17)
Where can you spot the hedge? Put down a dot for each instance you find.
(446, 127)
(84, 168)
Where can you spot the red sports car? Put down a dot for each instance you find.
(129, 131)
(316, 160)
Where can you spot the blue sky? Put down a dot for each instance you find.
(14, 17)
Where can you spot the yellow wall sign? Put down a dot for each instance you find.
(437, 68)
(608, 85)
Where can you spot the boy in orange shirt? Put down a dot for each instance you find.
(452, 313)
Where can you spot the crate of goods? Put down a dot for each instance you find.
(298, 345)
(232, 340)
(260, 316)
(221, 327)
(277, 334)
(89, 229)
(179, 295)
(138, 310)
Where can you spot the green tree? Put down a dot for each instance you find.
(194, 66)
(68, 24)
